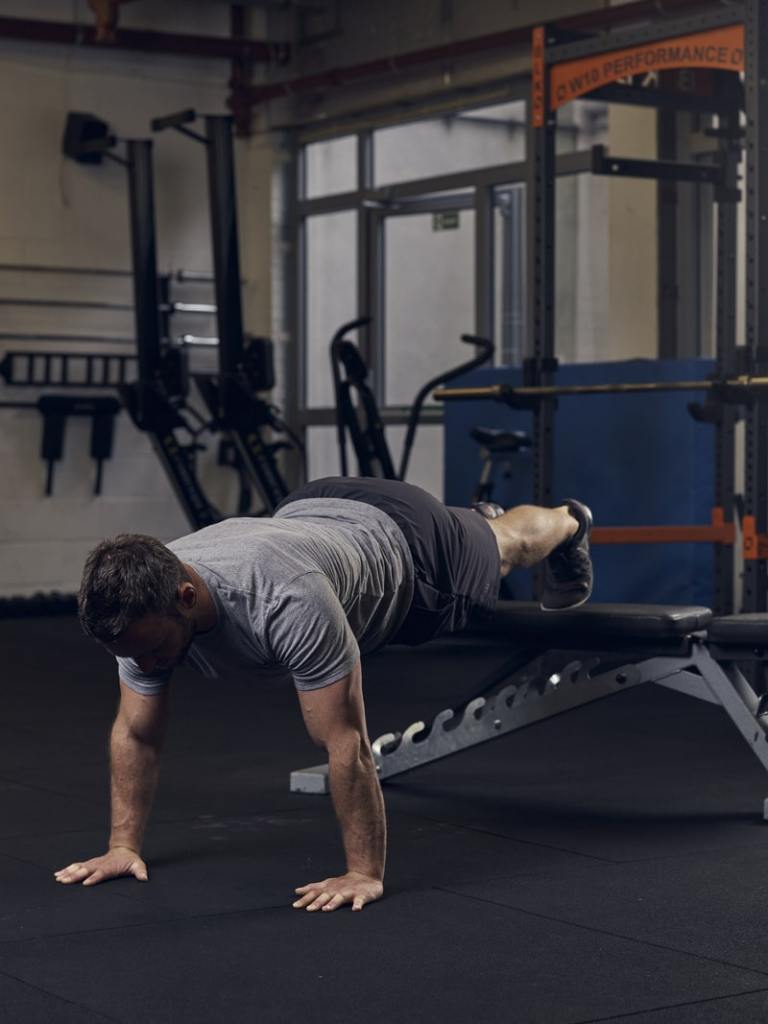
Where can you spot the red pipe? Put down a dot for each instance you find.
(219, 47)
(592, 21)
(385, 65)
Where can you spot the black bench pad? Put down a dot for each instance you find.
(751, 628)
(521, 621)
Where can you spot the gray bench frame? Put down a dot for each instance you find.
(592, 653)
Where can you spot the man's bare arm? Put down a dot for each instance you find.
(135, 745)
(335, 719)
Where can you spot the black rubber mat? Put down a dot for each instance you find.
(605, 865)
(211, 864)
(32, 907)
(438, 955)
(24, 1002)
(709, 904)
(749, 1009)
(623, 779)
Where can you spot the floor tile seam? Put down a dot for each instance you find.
(573, 853)
(604, 931)
(155, 821)
(54, 995)
(670, 1006)
(179, 918)
(47, 789)
(27, 730)
(10, 944)
(271, 813)
(541, 874)
(41, 734)
(6, 774)
(27, 863)
(35, 864)
(523, 842)
(695, 854)
(135, 901)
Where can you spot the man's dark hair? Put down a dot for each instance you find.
(124, 579)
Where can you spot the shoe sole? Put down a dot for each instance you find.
(567, 607)
(587, 512)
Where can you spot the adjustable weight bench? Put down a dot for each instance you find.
(563, 660)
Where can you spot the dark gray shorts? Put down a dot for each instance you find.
(455, 555)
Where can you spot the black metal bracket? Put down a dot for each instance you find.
(153, 411)
(659, 170)
(535, 368)
(245, 365)
(65, 369)
(178, 122)
(56, 408)
(659, 99)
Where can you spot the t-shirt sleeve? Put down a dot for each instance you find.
(308, 632)
(138, 681)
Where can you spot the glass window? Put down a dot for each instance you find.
(457, 142)
(425, 465)
(581, 124)
(582, 271)
(425, 468)
(331, 166)
(323, 454)
(429, 298)
(331, 298)
(582, 247)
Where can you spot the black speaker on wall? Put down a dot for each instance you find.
(86, 138)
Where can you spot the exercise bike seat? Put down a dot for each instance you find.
(500, 441)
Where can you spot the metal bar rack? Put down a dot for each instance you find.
(561, 71)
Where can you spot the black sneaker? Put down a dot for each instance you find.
(488, 509)
(568, 569)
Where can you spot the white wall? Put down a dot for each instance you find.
(633, 323)
(56, 212)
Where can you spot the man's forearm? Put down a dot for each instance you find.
(135, 767)
(359, 805)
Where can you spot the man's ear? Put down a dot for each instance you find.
(186, 595)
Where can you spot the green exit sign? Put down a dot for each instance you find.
(448, 220)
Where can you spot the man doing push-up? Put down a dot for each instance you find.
(343, 567)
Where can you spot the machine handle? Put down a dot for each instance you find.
(487, 348)
(336, 341)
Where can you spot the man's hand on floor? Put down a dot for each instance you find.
(116, 863)
(354, 888)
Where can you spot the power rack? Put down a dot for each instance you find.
(231, 396)
(726, 40)
(155, 400)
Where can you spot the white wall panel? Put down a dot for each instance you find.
(56, 212)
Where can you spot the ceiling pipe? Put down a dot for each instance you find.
(176, 44)
(590, 22)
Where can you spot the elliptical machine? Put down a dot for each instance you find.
(361, 421)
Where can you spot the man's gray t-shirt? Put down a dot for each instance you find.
(307, 591)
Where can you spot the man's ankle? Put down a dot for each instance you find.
(573, 524)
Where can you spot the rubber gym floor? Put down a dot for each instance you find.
(610, 864)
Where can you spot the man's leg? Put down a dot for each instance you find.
(559, 537)
(526, 534)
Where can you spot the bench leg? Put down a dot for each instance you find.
(549, 685)
(742, 705)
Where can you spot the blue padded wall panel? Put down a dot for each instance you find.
(637, 460)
